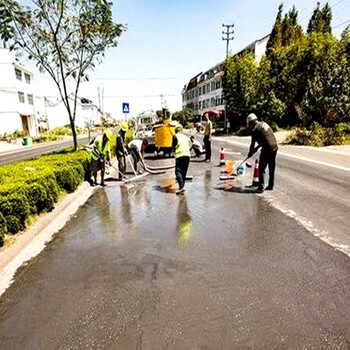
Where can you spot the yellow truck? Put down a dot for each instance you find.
(163, 136)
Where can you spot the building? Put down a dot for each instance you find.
(257, 48)
(21, 109)
(51, 113)
(204, 91)
(17, 111)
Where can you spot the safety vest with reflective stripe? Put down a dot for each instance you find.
(182, 148)
(97, 152)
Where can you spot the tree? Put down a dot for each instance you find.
(240, 86)
(327, 91)
(275, 39)
(292, 32)
(321, 19)
(66, 38)
(185, 115)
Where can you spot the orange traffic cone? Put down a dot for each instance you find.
(222, 157)
(256, 174)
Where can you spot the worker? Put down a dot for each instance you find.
(207, 137)
(100, 153)
(196, 147)
(137, 150)
(262, 134)
(181, 143)
(120, 151)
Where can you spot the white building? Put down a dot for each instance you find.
(51, 113)
(204, 91)
(257, 48)
(23, 110)
(17, 111)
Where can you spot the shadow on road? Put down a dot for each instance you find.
(236, 189)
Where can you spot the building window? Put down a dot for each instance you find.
(200, 91)
(21, 97)
(212, 102)
(200, 104)
(30, 99)
(196, 92)
(218, 84)
(18, 74)
(213, 86)
(27, 78)
(203, 89)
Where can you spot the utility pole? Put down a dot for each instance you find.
(229, 36)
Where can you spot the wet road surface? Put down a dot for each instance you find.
(141, 268)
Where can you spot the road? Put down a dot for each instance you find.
(217, 268)
(37, 150)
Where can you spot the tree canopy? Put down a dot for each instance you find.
(66, 39)
(303, 79)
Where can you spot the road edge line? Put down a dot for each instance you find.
(283, 153)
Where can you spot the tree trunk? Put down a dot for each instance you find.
(75, 141)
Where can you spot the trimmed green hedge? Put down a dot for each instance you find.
(30, 187)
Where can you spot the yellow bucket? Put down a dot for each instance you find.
(230, 165)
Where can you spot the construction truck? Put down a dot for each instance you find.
(164, 132)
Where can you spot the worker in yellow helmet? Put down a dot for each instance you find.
(181, 143)
(120, 151)
(101, 152)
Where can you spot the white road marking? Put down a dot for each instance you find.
(292, 156)
(308, 225)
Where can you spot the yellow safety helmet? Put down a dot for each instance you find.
(109, 134)
(179, 128)
(124, 126)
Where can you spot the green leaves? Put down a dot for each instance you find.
(302, 79)
(67, 38)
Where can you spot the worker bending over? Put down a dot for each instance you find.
(262, 134)
(137, 150)
(100, 153)
(181, 143)
(196, 147)
(120, 150)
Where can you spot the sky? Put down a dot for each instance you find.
(167, 42)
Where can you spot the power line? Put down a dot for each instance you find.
(341, 24)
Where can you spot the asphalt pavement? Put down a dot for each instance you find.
(219, 267)
(34, 151)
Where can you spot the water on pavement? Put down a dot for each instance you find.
(141, 268)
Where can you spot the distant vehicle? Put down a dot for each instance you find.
(144, 125)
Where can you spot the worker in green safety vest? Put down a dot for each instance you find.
(101, 152)
(181, 143)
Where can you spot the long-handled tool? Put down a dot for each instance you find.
(126, 178)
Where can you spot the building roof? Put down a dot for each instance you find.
(219, 66)
(252, 45)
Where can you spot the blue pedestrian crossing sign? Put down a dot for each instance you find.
(126, 108)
